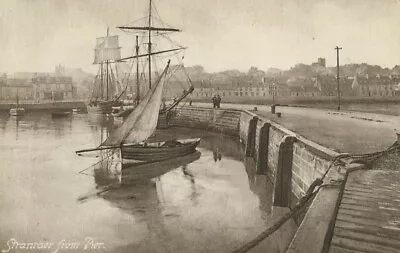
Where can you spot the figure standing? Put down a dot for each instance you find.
(218, 101)
(214, 101)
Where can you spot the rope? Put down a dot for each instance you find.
(311, 192)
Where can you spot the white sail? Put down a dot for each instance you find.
(142, 122)
(107, 49)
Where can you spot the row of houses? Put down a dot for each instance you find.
(44, 87)
(357, 86)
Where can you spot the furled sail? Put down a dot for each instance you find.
(142, 122)
(107, 49)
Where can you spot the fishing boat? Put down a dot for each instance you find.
(154, 43)
(107, 54)
(131, 136)
(60, 114)
(17, 111)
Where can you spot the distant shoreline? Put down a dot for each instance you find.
(386, 105)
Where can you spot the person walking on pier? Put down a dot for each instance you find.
(214, 101)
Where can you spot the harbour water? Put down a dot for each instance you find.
(212, 201)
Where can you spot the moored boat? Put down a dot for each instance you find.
(101, 107)
(60, 114)
(159, 151)
(17, 111)
(131, 136)
(106, 84)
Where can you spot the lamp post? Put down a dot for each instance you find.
(273, 98)
(338, 80)
(273, 93)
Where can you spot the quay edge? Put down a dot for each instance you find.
(291, 161)
(41, 106)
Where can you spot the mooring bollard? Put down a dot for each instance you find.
(273, 109)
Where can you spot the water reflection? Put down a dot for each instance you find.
(194, 195)
(217, 155)
(135, 189)
(101, 126)
(260, 185)
(194, 204)
(194, 192)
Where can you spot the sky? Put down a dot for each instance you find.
(35, 35)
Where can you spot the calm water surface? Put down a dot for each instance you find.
(211, 201)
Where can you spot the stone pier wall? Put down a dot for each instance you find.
(276, 150)
(224, 121)
(291, 161)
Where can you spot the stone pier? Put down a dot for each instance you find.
(293, 163)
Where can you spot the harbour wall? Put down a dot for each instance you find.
(276, 150)
(50, 105)
(291, 161)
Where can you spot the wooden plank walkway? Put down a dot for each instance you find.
(369, 213)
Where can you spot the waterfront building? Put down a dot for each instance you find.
(378, 85)
(209, 88)
(53, 87)
(263, 90)
(304, 87)
(9, 88)
(327, 84)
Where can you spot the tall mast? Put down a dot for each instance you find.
(149, 49)
(107, 73)
(137, 71)
(107, 76)
(17, 99)
(101, 78)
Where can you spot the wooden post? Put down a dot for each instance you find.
(262, 161)
(283, 177)
(251, 137)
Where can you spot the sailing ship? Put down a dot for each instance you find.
(17, 111)
(131, 137)
(149, 32)
(107, 54)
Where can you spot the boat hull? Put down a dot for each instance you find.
(159, 151)
(17, 111)
(132, 173)
(103, 107)
(60, 114)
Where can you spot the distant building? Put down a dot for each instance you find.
(304, 87)
(375, 86)
(327, 84)
(53, 87)
(10, 88)
(322, 62)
